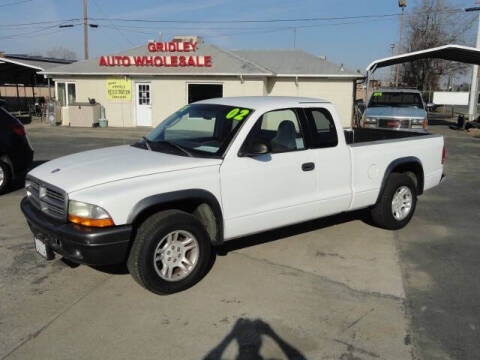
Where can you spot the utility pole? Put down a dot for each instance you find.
(85, 29)
(473, 100)
(294, 37)
(392, 70)
(401, 4)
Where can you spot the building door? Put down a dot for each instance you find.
(144, 105)
(197, 92)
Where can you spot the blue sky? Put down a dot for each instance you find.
(355, 43)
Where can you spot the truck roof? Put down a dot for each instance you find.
(399, 90)
(255, 102)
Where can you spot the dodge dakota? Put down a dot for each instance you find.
(217, 170)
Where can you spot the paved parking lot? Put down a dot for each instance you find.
(336, 288)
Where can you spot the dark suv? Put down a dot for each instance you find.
(16, 154)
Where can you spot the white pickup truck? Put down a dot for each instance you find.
(217, 170)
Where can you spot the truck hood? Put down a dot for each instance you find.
(95, 167)
(388, 111)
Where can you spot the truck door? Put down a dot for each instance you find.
(333, 163)
(270, 190)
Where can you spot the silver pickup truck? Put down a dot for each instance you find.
(396, 109)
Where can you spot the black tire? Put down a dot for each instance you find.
(7, 178)
(140, 261)
(382, 214)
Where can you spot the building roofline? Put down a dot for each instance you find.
(353, 76)
(3, 59)
(52, 73)
(273, 75)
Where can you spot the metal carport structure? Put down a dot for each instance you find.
(23, 70)
(459, 53)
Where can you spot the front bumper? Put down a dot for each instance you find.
(85, 245)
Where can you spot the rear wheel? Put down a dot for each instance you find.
(171, 252)
(5, 177)
(397, 203)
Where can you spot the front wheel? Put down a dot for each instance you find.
(171, 252)
(5, 177)
(397, 203)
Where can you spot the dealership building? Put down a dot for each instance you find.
(143, 85)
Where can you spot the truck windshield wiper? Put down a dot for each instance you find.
(147, 143)
(176, 146)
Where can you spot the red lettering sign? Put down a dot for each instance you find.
(164, 60)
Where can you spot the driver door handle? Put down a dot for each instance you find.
(309, 166)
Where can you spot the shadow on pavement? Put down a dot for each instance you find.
(248, 335)
(292, 230)
(436, 122)
(117, 269)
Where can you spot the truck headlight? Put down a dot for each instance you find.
(418, 123)
(88, 214)
(370, 122)
(28, 184)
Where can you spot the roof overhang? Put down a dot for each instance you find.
(340, 76)
(65, 73)
(460, 53)
(15, 62)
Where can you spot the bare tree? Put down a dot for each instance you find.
(59, 52)
(433, 23)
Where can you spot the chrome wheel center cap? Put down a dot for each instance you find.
(176, 255)
(402, 203)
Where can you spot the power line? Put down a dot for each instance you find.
(121, 33)
(458, 10)
(15, 3)
(269, 20)
(247, 21)
(32, 33)
(39, 23)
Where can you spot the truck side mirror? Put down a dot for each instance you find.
(255, 147)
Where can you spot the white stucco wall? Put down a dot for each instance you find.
(168, 94)
(118, 114)
(339, 92)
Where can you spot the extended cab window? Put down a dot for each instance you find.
(324, 131)
(280, 129)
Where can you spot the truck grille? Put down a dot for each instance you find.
(47, 198)
(393, 123)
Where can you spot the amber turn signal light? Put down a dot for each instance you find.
(90, 222)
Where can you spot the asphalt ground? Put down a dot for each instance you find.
(335, 288)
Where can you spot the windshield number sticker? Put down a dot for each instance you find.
(237, 114)
(377, 94)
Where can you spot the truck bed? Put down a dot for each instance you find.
(361, 135)
(373, 150)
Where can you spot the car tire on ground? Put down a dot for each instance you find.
(5, 177)
(170, 253)
(397, 202)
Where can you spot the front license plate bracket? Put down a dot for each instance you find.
(42, 247)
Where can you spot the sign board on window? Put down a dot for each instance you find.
(119, 89)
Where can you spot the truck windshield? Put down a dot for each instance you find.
(198, 129)
(395, 99)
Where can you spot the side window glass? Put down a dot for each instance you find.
(280, 129)
(325, 134)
